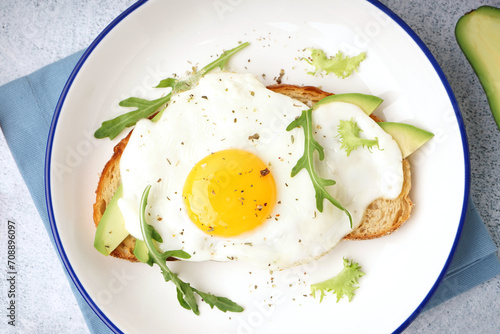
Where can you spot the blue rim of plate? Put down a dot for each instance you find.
(139, 3)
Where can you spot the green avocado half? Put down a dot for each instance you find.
(478, 35)
(111, 229)
(367, 103)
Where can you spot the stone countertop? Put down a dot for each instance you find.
(37, 33)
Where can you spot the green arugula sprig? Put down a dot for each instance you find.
(343, 284)
(307, 162)
(185, 292)
(145, 108)
(350, 139)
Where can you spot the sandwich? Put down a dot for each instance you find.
(274, 176)
(382, 217)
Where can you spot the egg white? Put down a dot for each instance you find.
(222, 112)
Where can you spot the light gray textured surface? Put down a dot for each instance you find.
(36, 33)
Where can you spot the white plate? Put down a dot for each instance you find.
(154, 39)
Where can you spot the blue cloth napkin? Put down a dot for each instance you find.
(26, 109)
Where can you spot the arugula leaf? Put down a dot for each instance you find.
(342, 284)
(350, 139)
(185, 292)
(220, 62)
(170, 82)
(340, 65)
(307, 162)
(223, 59)
(145, 108)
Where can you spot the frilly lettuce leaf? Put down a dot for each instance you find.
(340, 65)
(349, 136)
(344, 284)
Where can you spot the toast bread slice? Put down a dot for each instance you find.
(382, 217)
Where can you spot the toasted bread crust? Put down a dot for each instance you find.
(382, 217)
(108, 183)
(308, 95)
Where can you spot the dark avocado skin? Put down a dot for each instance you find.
(478, 35)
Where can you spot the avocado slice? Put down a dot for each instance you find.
(408, 137)
(141, 251)
(478, 35)
(368, 103)
(111, 229)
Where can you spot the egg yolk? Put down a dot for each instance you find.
(229, 192)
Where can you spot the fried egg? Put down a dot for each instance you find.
(219, 161)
